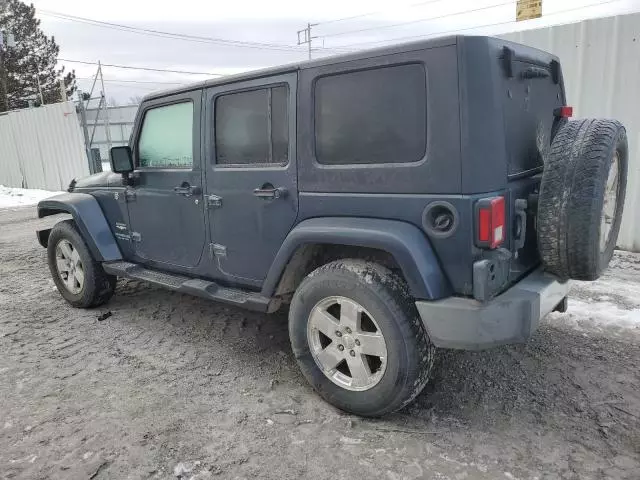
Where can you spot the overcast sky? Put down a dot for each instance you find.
(274, 22)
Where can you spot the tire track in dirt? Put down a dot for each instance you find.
(170, 378)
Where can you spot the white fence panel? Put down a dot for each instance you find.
(601, 66)
(42, 147)
(10, 174)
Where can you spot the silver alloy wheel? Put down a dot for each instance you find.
(347, 343)
(69, 267)
(610, 202)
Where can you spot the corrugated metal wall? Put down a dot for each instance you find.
(42, 147)
(601, 67)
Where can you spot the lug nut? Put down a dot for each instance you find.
(341, 347)
(358, 342)
(338, 333)
(352, 353)
(348, 330)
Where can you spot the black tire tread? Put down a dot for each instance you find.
(99, 285)
(394, 293)
(569, 197)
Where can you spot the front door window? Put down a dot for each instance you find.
(166, 140)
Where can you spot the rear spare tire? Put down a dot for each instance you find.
(581, 198)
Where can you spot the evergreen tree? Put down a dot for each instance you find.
(34, 54)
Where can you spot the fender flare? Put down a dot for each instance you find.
(405, 242)
(89, 219)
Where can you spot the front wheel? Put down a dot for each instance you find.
(358, 338)
(80, 279)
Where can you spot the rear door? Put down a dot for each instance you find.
(534, 90)
(251, 183)
(166, 211)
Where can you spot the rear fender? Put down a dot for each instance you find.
(89, 219)
(406, 243)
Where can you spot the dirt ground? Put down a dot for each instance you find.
(174, 386)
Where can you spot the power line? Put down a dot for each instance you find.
(112, 80)
(173, 35)
(148, 69)
(144, 88)
(396, 39)
(362, 15)
(420, 20)
(152, 32)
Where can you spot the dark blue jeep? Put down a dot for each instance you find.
(425, 195)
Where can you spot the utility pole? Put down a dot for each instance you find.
(106, 108)
(63, 91)
(85, 131)
(304, 36)
(5, 43)
(4, 103)
(39, 90)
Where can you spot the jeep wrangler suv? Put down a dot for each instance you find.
(424, 195)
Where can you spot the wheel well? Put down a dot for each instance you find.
(311, 256)
(46, 212)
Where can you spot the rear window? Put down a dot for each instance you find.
(252, 127)
(528, 112)
(371, 116)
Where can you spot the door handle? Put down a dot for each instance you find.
(270, 193)
(187, 190)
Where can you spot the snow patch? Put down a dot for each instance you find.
(601, 315)
(20, 197)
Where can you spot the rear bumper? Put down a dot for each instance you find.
(511, 317)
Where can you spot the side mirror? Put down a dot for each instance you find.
(121, 160)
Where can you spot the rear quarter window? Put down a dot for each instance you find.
(373, 116)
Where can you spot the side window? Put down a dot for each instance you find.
(166, 139)
(371, 116)
(252, 127)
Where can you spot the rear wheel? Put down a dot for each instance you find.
(358, 338)
(80, 279)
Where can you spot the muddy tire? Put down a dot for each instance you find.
(358, 338)
(581, 198)
(80, 279)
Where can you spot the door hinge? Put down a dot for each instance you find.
(129, 195)
(136, 237)
(214, 201)
(216, 250)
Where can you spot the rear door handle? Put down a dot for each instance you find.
(187, 190)
(270, 193)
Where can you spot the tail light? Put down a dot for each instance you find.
(563, 112)
(490, 227)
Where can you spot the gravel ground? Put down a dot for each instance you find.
(171, 385)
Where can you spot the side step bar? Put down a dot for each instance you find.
(191, 286)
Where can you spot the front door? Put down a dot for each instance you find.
(166, 211)
(252, 190)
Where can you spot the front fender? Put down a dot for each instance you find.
(408, 245)
(89, 219)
